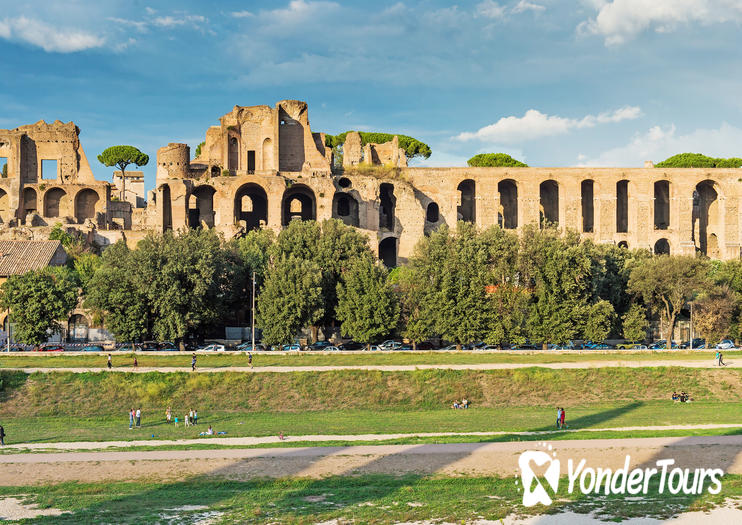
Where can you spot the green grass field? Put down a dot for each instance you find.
(363, 499)
(57, 360)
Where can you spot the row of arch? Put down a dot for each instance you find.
(53, 202)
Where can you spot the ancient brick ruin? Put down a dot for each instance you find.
(263, 167)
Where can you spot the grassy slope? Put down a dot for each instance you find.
(363, 499)
(93, 406)
(55, 360)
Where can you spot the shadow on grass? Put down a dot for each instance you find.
(592, 420)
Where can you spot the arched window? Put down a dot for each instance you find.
(298, 203)
(467, 209)
(251, 206)
(432, 213)
(549, 200)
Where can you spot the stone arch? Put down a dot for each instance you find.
(77, 328)
(251, 206)
(345, 208)
(85, 202)
(707, 218)
(467, 208)
(4, 205)
(507, 216)
(661, 205)
(587, 196)
(387, 206)
(549, 202)
(268, 161)
(622, 206)
(623, 244)
(388, 252)
(29, 201)
(202, 210)
(662, 247)
(53, 202)
(167, 208)
(233, 153)
(432, 213)
(298, 203)
(215, 171)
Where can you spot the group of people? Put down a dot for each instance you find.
(682, 397)
(464, 403)
(191, 418)
(561, 415)
(719, 358)
(135, 418)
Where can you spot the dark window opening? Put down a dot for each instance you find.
(345, 208)
(466, 210)
(588, 215)
(662, 247)
(167, 209)
(251, 161)
(507, 216)
(388, 252)
(387, 207)
(622, 206)
(201, 212)
(432, 213)
(549, 202)
(344, 183)
(661, 205)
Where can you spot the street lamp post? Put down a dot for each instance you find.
(691, 325)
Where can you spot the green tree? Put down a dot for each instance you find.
(199, 148)
(667, 284)
(635, 323)
(714, 314)
(409, 283)
(123, 156)
(599, 320)
(38, 300)
(698, 160)
(85, 266)
(291, 298)
(729, 274)
(114, 291)
(493, 160)
(367, 306)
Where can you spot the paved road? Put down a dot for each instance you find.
(397, 368)
(251, 441)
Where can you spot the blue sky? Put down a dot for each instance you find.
(552, 82)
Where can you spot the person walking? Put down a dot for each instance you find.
(109, 361)
(193, 363)
(563, 425)
(136, 363)
(195, 417)
(131, 418)
(249, 359)
(559, 418)
(721, 360)
(717, 358)
(2, 436)
(168, 415)
(190, 416)
(139, 417)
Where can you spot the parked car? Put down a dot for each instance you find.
(129, 347)
(390, 344)
(425, 345)
(525, 346)
(150, 346)
(248, 347)
(331, 348)
(92, 348)
(726, 344)
(167, 346)
(375, 348)
(292, 347)
(50, 347)
(319, 345)
(352, 345)
(660, 345)
(213, 347)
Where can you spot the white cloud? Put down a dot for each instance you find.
(658, 143)
(534, 124)
(136, 24)
(242, 14)
(48, 37)
(525, 5)
(150, 11)
(620, 20)
(490, 9)
(171, 21)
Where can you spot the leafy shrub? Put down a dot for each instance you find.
(495, 160)
(699, 160)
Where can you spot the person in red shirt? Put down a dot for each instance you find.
(562, 418)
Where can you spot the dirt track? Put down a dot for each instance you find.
(707, 363)
(451, 459)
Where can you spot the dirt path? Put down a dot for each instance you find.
(262, 440)
(708, 363)
(480, 459)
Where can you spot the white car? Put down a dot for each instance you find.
(726, 344)
(213, 348)
(331, 349)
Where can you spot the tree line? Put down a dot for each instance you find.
(462, 284)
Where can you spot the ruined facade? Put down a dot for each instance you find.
(263, 167)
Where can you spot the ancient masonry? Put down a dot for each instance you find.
(263, 166)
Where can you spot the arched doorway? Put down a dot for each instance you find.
(201, 207)
(387, 207)
(662, 247)
(388, 252)
(588, 210)
(624, 245)
(707, 218)
(549, 202)
(251, 206)
(268, 162)
(622, 206)
(432, 213)
(233, 157)
(661, 205)
(167, 208)
(85, 203)
(345, 208)
(298, 203)
(77, 329)
(467, 208)
(52, 202)
(507, 216)
(29, 201)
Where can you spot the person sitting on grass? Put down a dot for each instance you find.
(675, 397)
(456, 404)
(210, 431)
(464, 403)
